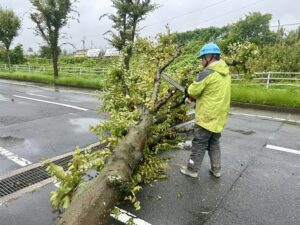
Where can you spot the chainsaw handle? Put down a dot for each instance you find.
(187, 98)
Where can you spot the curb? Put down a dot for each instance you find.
(265, 107)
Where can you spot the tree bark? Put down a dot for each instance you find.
(8, 59)
(94, 200)
(55, 63)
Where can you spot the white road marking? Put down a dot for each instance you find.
(282, 149)
(124, 216)
(265, 117)
(38, 95)
(16, 159)
(49, 102)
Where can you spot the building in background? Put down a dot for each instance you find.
(80, 54)
(112, 52)
(93, 53)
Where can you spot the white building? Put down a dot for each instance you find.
(111, 52)
(93, 53)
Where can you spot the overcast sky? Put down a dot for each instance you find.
(181, 15)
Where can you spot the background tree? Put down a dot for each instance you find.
(293, 36)
(45, 52)
(125, 23)
(204, 34)
(9, 26)
(17, 55)
(50, 17)
(239, 55)
(254, 28)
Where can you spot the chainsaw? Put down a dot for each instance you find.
(187, 98)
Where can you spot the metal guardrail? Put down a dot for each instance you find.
(272, 78)
(62, 69)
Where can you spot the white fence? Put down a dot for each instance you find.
(272, 78)
(62, 69)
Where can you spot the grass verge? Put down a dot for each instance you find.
(266, 96)
(86, 81)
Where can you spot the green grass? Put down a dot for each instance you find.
(86, 81)
(266, 96)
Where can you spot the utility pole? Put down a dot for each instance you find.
(92, 44)
(83, 43)
(278, 32)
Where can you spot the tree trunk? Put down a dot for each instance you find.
(94, 200)
(127, 57)
(8, 60)
(54, 61)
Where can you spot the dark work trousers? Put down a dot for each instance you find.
(205, 140)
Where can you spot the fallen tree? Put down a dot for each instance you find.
(93, 204)
(135, 126)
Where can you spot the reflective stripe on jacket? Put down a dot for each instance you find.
(211, 89)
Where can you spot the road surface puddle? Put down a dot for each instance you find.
(83, 124)
(4, 99)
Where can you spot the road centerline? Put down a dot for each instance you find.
(50, 102)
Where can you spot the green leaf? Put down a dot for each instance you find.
(66, 202)
(137, 205)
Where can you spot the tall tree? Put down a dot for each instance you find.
(50, 17)
(9, 26)
(125, 23)
(254, 28)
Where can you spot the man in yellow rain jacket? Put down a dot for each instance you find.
(211, 91)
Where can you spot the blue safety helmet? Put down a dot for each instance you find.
(210, 48)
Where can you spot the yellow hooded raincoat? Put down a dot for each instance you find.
(211, 89)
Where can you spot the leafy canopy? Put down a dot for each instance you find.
(9, 26)
(126, 19)
(50, 17)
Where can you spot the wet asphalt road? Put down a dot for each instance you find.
(259, 186)
(33, 130)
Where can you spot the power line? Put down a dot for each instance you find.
(185, 14)
(230, 12)
(286, 25)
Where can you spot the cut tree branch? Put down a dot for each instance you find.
(157, 80)
(178, 53)
(163, 100)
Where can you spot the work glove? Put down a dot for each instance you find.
(187, 98)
